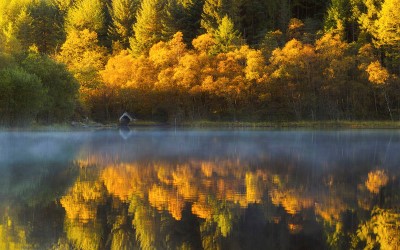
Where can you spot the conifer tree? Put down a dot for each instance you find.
(86, 14)
(337, 15)
(47, 25)
(148, 27)
(123, 15)
(226, 36)
(388, 24)
(215, 10)
(258, 18)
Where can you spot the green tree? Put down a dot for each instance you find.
(215, 10)
(86, 14)
(337, 15)
(47, 27)
(148, 27)
(22, 96)
(226, 37)
(60, 85)
(182, 16)
(64, 5)
(123, 15)
(190, 22)
(258, 18)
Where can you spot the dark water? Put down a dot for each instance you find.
(167, 189)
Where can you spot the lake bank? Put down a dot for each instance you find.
(299, 124)
(73, 126)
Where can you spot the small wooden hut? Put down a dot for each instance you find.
(125, 119)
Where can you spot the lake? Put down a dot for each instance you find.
(200, 189)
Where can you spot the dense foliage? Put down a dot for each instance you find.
(200, 59)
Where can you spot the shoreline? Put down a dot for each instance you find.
(213, 124)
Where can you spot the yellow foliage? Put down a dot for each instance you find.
(167, 54)
(330, 208)
(292, 202)
(207, 169)
(254, 190)
(13, 236)
(377, 74)
(331, 46)
(255, 66)
(376, 180)
(184, 180)
(82, 200)
(204, 43)
(119, 70)
(382, 231)
(202, 210)
(187, 73)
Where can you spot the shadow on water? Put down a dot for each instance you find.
(200, 189)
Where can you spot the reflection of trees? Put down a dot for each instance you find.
(376, 180)
(382, 230)
(84, 236)
(122, 235)
(13, 236)
(82, 200)
(197, 204)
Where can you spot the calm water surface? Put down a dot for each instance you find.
(203, 189)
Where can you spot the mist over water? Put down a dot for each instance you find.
(217, 186)
(311, 147)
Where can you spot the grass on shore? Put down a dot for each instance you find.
(299, 124)
(217, 124)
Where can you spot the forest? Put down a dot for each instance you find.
(188, 60)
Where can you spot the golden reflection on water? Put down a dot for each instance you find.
(148, 196)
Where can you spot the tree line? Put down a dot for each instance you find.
(199, 59)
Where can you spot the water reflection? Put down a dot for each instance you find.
(200, 190)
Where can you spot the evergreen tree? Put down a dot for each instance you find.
(123, 15)
(337, 15)
(64, 5)
(86, 14)
(47, 27)
(283, 14)
(258, 18)
(191, 19)
(215, 10)
(148, 27)
(227, 37)
(388, 25)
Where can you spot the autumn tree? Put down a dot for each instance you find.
(379, 76)
(388, 25)
(84, 58)
(128, 83)
(295, 66)
(166, 56)
(339, 70)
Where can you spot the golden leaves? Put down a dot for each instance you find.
(376, 180)
(376, 73)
